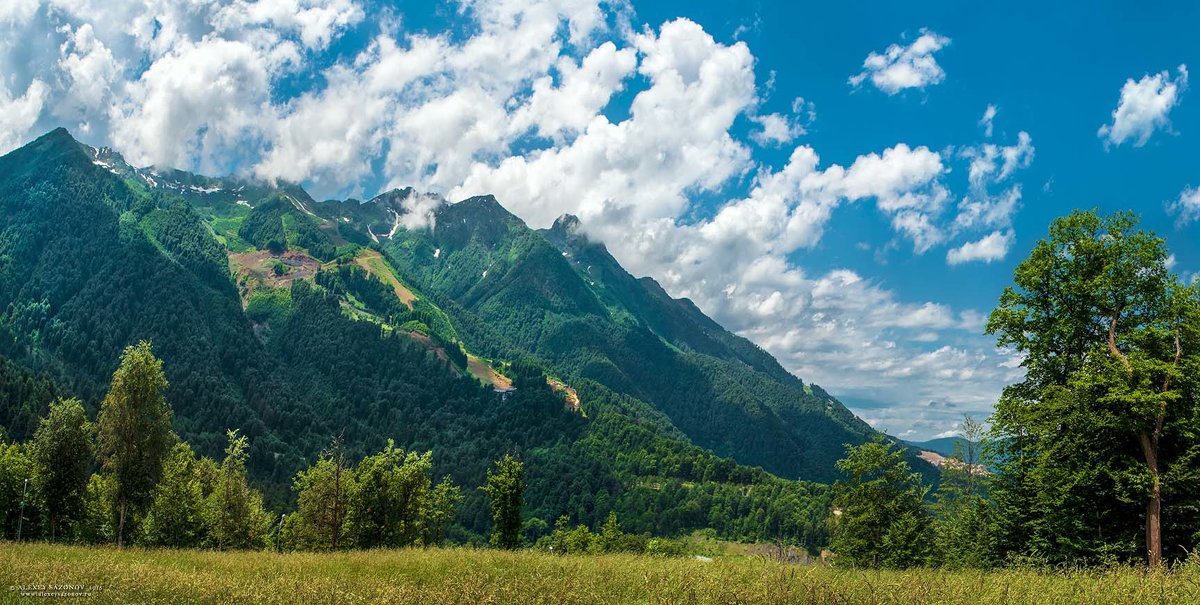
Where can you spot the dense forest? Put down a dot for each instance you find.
(95, 261)
(316, 376)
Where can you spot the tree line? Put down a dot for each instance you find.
(1093, 457)
(128, 478)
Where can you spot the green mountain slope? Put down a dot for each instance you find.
(296, 321)
(553, 296)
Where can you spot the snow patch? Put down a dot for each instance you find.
(437, 252)
(243, 203)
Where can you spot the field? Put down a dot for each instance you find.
(459, 575)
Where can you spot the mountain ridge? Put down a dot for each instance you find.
(284, 317)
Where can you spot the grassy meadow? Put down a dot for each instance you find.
(460, 575)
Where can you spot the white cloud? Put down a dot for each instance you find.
(992, 247)
(1186, 207)
(990, 165)
(91, 70)
(989, 115)
(520, 105)
(197, 104)
(902, 67)
(19, 114)
(1144, 107)
(776, 129)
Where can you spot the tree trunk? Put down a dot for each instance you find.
(1154, 504)
(121, 526)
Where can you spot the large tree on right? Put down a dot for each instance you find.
(1101, 440)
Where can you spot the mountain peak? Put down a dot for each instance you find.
(568, 224)
(58, 133)
(57, 145)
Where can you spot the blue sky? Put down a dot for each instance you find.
(818, 178)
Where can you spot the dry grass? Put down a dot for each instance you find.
(374, 263)
(459, 575)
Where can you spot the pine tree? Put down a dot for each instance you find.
(135, 430)
(61, 450)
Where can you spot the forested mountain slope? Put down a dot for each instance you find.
(297, 321)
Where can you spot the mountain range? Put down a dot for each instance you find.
(452, 327)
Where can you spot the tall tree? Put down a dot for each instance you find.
(323, 501)
(440, 510)
(879, 512)
(135, 429)
(62, 451)
(1106, 414)
(506, 490)
(965, 515)
(236, 516)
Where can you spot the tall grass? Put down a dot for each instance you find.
(458, 575)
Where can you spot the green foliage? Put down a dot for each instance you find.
(175, 226)
(506, 491)
(263, 228)
(135, 429)
(99, 524)
(26, 396)
(388, 497)
(176, 517)
(323, 494)
(439, 511)
(965, 525)
(61, 451)
(269, 307)
(18, 483)
(608, 538)
(879, 514)
(1102, 430)
(276, 224)
(236, 518)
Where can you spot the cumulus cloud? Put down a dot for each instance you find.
(1186, 207)
(903, 67)
(1144, 107)
(520, 104)
(776, 129)
(992, 247)
(18, 114)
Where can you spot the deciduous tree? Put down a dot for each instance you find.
(135, 430)
(61, 450)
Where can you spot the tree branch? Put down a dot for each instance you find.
(1112, 340)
